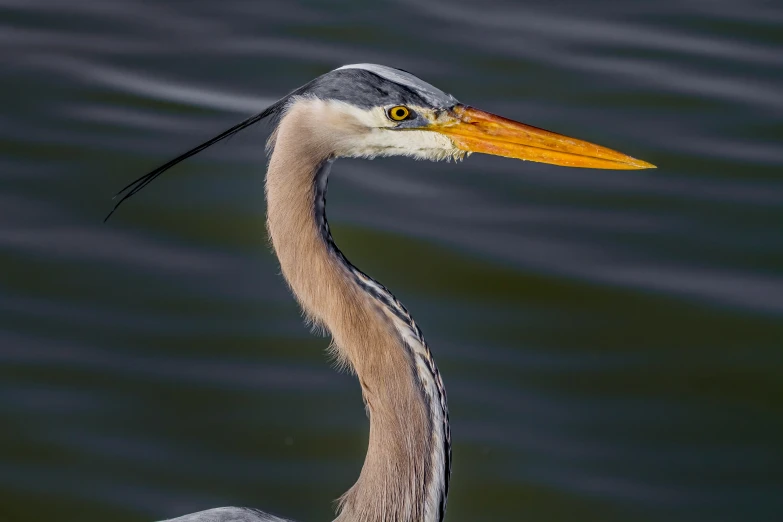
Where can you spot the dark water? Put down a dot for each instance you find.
(611, 341)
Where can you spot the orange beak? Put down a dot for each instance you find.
(473, 130)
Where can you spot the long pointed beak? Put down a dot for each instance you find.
(473, 130)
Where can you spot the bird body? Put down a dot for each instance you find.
(228, 514)
(370, 110)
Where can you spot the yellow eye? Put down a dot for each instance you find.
(399, 113)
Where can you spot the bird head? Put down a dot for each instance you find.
(368, 110)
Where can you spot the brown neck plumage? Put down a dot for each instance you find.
(396, 481)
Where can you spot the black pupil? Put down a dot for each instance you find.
(399, 113)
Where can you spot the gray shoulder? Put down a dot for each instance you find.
(228, 514)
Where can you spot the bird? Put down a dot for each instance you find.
(368, 111)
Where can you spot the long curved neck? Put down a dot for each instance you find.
(406, 470)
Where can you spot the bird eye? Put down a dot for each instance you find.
(399, 113)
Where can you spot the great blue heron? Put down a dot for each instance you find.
(366, 111)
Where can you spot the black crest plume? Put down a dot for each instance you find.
(135, 186)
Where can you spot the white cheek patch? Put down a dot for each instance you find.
(372, 134)
(371, 118)
(419, 144)
(350, 132)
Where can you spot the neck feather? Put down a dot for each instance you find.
(406, 470)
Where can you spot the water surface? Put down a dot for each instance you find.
(610, 341)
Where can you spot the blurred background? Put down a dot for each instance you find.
(610, 341)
